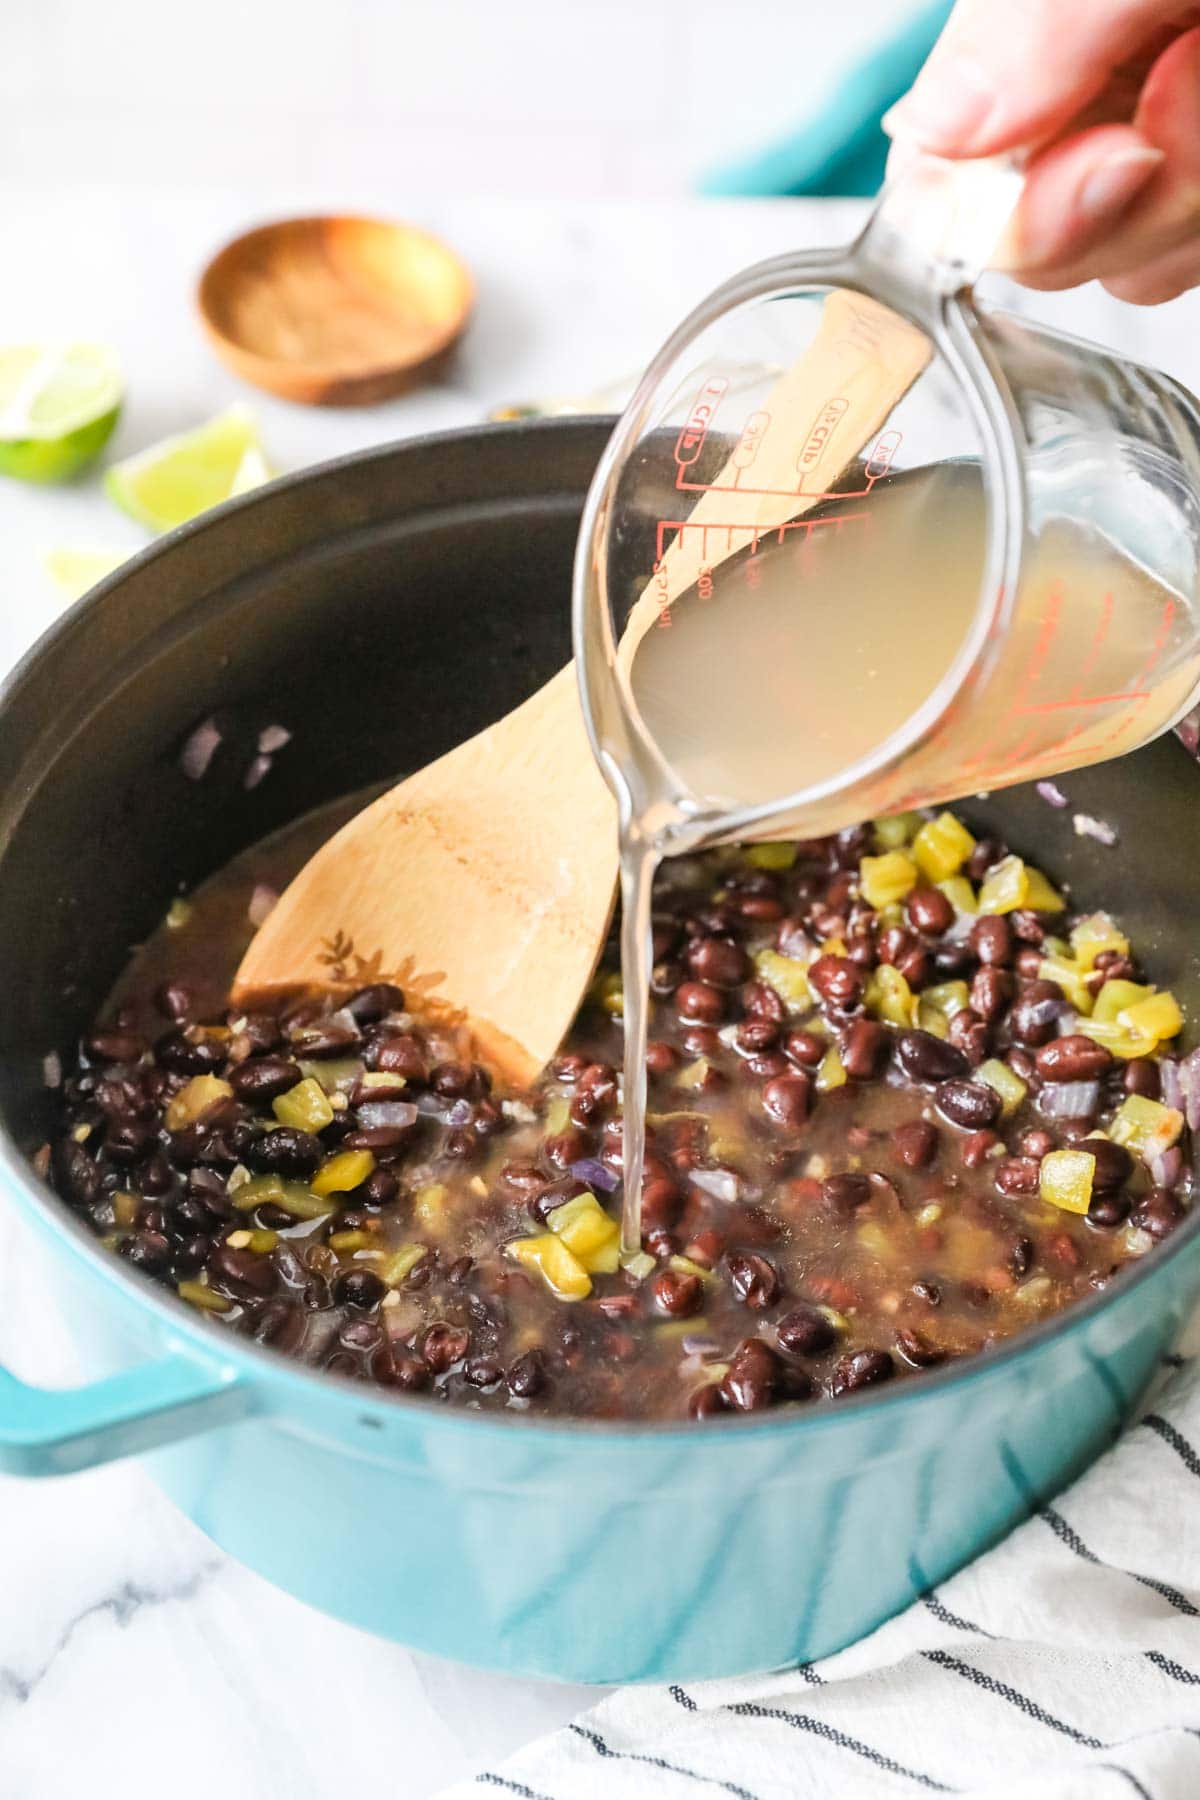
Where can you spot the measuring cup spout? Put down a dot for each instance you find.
(936, 224)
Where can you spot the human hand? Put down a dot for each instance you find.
(1103, 97)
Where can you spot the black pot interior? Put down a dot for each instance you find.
(381, 609)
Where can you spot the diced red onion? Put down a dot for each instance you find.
(262, 900)
(1069, 1099)
(1166, 1167)
(1045, 1012)
(432, 1106)
(1189, 1085)
(721, 1184)
(460, 1113)
(1171, 1083)
(395, 1113)
(199, 750)
(1052, 794)
(345, 1018)
(1086, 826)
(698, 1343)
(52, 1069)
(588, 1169)
(272, 738)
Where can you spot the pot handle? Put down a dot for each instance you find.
(55, 1431)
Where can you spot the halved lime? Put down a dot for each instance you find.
(73, 571)
(185, 475)
(58, 406)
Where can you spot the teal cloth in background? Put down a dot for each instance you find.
(840, 149)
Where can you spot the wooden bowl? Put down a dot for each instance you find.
(335, 311)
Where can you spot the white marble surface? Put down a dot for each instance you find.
(134, 1657)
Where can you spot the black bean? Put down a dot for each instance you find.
(929, 911)
(285, 1151)
(786, 1099)
(526, 1376)
(928, 1291)
(915, 1349)
(397, 1053)
(927, 1059)
(863, 1049)
(324, 1039)
(1018, 1175)
(970, 1104)
(174, 1001)
(805, 1331)
(968, 1033)
(444, 1344)
(754, 1280)
(1114, 1165)
(1108, 1210)
(1142, 1077)
(406, 1370)
(1074, 1058)
(175, 1051)
(264, 1077)
(1020, 1257)
(952, 960)
(916, 966)
(242, 1272)
(915, 1143)
(677, 1292)
(987, 852)
(991, 939)
(147, 1250)
(844, 1194)
(379, 1189)
(370, 1004)
(189, 1257)
(1035, 1014)
(753, 1376)
(991, 991)
(859, 1370)
(756, 1035)
(1157, 1213)
(700, 1001)
(482, 1371)
(75, 1173)
(837, 980)
(805, 1047)
(718, 960)
(358, 1287)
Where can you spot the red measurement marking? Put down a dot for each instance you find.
(882, 456)
(690, 441)
(1097, 644)
(750, 442)
(820, 433)
(752, 535)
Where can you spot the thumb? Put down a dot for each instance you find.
(1004, 76)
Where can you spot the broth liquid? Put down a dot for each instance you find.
(790, 662)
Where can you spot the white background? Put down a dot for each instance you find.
(429, 96)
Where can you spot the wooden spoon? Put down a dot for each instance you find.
(333, 311)
(484, 884)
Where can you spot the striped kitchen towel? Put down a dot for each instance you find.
(1063, 1665)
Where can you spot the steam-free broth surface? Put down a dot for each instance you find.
(857, 1093)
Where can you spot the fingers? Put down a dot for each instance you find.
(1101, 205)
(1008, 73)
(1073, 195)
(1164, 279)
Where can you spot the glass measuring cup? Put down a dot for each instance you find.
(858, 545)
(866, 546)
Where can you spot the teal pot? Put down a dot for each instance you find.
(382, 608)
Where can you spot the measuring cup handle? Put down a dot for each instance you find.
(936, 224)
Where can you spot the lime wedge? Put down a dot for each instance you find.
(58, 406)
(185, 475)
(74, 571)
